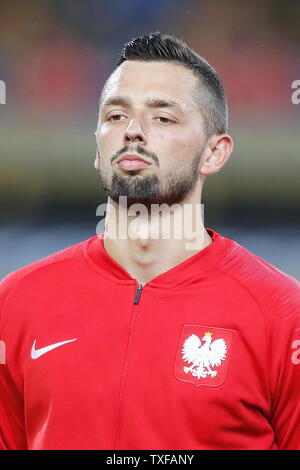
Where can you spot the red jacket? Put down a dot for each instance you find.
(204, 356)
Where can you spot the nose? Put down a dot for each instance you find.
(135, 133)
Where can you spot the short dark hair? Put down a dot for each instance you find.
(166, 48)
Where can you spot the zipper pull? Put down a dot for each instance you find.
(138, 294)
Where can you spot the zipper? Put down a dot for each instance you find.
(138, 294)
(119, 408)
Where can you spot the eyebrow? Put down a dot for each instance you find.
(152, 103)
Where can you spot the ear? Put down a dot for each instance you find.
(97, 161)
(216, 154)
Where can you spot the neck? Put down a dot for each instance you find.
(153, 242)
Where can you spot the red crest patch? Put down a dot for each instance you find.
(203, 355)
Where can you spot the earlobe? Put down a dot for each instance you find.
(97, 161)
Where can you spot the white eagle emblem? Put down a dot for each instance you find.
(203, 357)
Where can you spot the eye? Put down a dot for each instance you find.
(164, 120)
(115, 117)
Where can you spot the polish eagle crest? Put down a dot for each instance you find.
(203, 357)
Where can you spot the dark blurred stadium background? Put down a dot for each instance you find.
(54, 58)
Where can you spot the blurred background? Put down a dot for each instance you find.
(54, 58)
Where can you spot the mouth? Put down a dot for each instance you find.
(131, 162)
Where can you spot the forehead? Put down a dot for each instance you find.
(141, 80)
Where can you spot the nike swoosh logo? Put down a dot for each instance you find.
(35, 353)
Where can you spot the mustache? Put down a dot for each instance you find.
(138, 150)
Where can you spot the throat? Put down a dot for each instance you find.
(146, 259)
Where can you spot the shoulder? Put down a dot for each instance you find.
(276, 292)
(43, 269)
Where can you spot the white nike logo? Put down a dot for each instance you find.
(35, 353)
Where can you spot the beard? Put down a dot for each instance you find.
(148, 190)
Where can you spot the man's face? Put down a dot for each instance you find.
(149, 110)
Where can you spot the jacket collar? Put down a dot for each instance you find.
(184, 274)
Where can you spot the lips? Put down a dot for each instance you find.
(132, 162)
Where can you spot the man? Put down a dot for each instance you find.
(146, 341)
